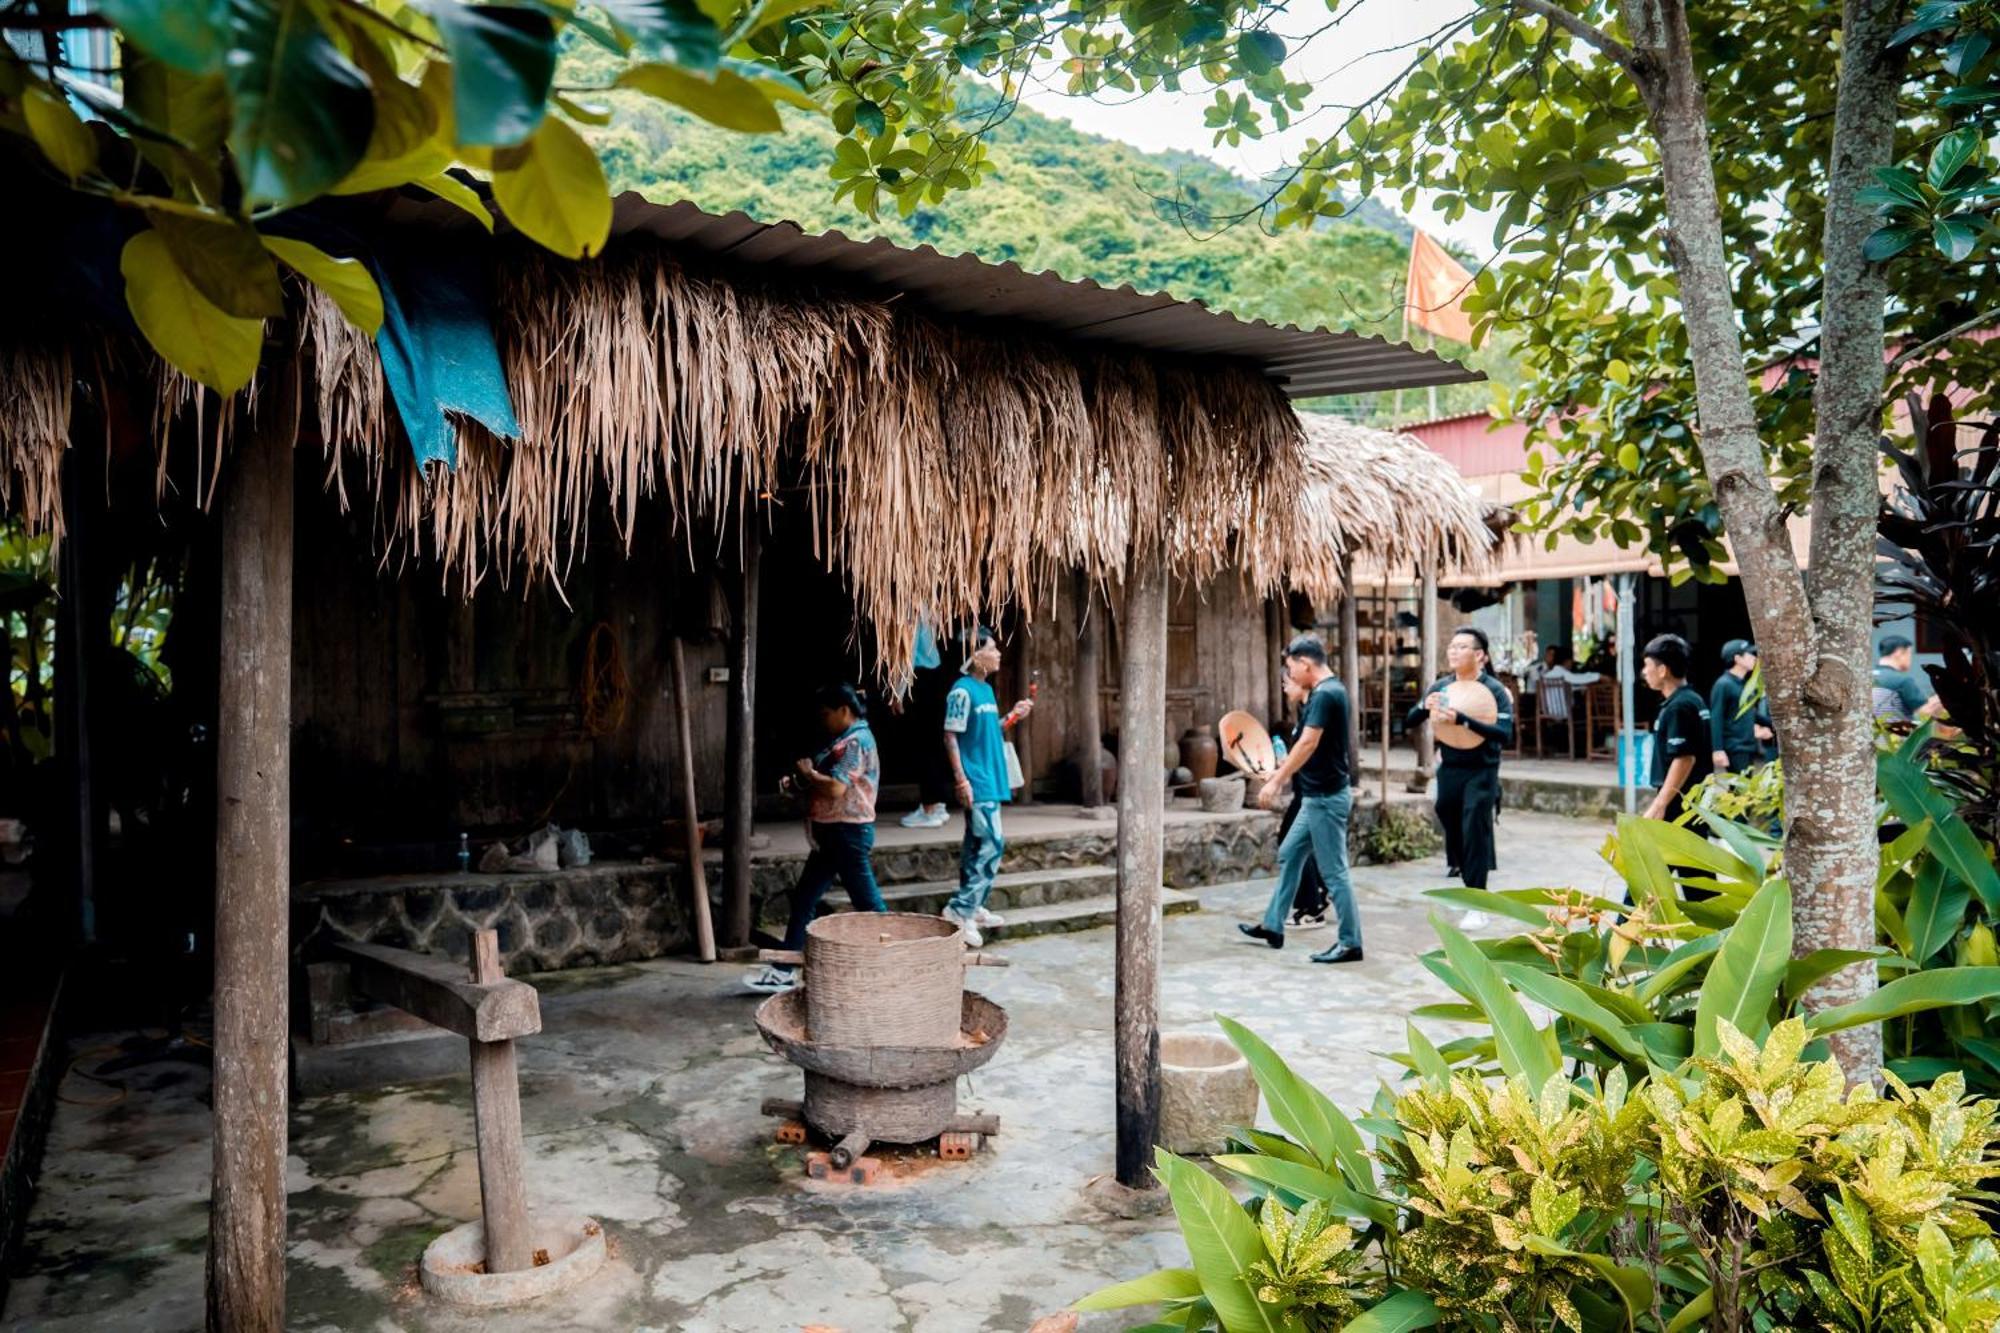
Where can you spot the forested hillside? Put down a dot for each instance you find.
(1057, 199)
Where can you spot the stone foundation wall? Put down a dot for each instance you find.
(621, 912)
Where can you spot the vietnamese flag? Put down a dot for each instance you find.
(1434, 294)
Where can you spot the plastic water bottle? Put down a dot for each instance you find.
(1279, 749)
(464, 854)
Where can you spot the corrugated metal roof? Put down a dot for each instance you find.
(1307, 362)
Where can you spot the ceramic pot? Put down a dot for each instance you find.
(1199, 752)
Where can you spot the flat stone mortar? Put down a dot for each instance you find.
(576, 1251)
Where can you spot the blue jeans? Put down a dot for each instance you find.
(844, 850)
(978, 859)
(1319, 834)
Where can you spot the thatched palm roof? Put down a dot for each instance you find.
(1377, 497)
(951, 466)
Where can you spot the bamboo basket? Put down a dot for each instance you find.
(883, 979)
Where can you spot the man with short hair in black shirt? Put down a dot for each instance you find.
(1681, 740)
(1318, 764)
(1738, 733)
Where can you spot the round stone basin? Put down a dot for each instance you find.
(1205, 1090)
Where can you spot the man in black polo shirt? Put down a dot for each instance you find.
(1738, 734)
(1681, 740)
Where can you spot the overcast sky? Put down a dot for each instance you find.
(1344, 64)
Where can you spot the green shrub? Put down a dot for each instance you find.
(1399, 833)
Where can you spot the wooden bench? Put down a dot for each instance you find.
(490, 1011)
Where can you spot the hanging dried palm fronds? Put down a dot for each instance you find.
(34, 431)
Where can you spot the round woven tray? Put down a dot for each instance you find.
(883, 979)
(982, 1026)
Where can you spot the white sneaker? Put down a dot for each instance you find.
(772, 981)
(1472, 921)
(985, 918)
(925, 817)
(973, 939)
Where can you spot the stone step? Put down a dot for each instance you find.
(1082, 914)
(1011, 890)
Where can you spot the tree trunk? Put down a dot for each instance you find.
(1142, 737)
(246, 1230)
(1813, 637)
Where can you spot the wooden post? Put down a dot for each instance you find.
(704, 929)
(82, 627)
(1024, 739)
(1384, 640)
(1089, 698)
(1350, 667)
(1142, 738)
(1427, 636)
(1275, 639)
(740, 793)
(496, 1124)
(246, 1227)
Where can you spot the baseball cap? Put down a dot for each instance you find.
(1736, 647)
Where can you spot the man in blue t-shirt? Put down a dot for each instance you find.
(1319, 766)
(974, 743)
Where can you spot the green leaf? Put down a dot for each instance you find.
(1634, 1288)
(1802, 974)
(728, 99)
(1902, 851)
(205, 343)
(1645, 869)
(503, 60)
(1222, 1244)
(455, 191)
(1571, 1001)
(1168, 1284)
(1955, 239)
(1303, 1111)
(347, 281)
(1888, 242)
(1952, 152)
(1482, 900)
(1683, 846)
(1936, 910)
(777, 11)
(679, 30)
(225, 261)
(1519, 1045)
(190, 35)
(1424, 1056)
(1749, 967)
(1397, 1312)
(1308, 1183)
(1939, 988)
(301, 113)
(1260, 51)
(1273, 1145)
(1910, 794)
(1696, 1310)
(1683, 960)
(553, 189)
(58, 131)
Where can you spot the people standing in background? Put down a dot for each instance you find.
(1902, 694)
(1319, 765)
(1309, 908)
(927, 694)
(975, 744)
(1682, 745)
(1738, 734)
(1468, 777)
(838, 785)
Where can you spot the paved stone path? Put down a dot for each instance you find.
(640, 1099)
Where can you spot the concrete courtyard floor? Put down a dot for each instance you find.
(640, 1099)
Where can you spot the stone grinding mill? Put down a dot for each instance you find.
(883, 1027)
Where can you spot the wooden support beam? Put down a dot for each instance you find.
(496, 1124)
(1350, 669)
(1142, 740)
(740, 761)
(1385, 639)
(1427, 635)
(704, 928)
(436, 990)
(246, 1229)
(1089, 698)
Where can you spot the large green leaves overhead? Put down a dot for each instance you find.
(553, 189)
(190, 35)
(207, 343)
(503, 60)
(301, 113)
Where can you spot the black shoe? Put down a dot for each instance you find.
(1274, 938)
(1451, 871)
(1338, 955)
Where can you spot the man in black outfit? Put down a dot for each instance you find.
(1738, 734)
(1682, 745)
(1468, 779)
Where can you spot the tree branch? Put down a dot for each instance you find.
(1974, 324)
(1578, 28)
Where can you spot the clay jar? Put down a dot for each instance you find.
(1199, 752)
